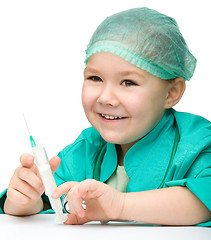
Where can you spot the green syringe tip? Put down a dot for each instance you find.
(33, 144)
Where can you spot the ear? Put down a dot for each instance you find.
(175, 92)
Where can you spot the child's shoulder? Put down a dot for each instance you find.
(189, 118)
(89, 139)
(193, 126)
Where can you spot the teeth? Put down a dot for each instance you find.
(110, 117)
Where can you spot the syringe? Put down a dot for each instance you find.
(46, 174)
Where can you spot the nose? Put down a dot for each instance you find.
(108, 96)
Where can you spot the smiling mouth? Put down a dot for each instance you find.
(109, 117)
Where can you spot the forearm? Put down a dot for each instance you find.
(168, 206)
(11, 209)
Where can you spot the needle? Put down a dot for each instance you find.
(33, 144)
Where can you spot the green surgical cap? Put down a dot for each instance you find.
(146, 38)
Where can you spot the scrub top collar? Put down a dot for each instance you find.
(147, 160)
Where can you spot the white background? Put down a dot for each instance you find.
(42, 51)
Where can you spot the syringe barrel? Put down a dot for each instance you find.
(46, 174)
(40, 155)
(44, 167)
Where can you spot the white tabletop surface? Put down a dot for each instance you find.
(44, 227)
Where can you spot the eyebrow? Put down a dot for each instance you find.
(93, 70)
(123, 73)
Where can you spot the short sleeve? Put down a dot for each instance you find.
(3, 196)
(198, 180)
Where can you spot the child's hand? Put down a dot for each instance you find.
(103, 203)
(26, 187)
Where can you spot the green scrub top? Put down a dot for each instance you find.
(146, 162)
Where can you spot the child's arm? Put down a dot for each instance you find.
(26, 187)
(168, 206)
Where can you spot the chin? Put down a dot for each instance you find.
(115, 139)
(111, 138)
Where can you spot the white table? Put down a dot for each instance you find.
(43, 227)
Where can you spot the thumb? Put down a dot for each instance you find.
(74, 219)
(55, 162)
(27, 160)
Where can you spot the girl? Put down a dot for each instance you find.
(141, 160)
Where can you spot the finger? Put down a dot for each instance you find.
(25, 189)
(85, 190)
(55, 162)
(75, 203)
(27, 160)
(31, 178)
(17, 197)
(91, 188)
(63, 188)
(73, 219)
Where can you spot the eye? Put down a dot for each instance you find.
(128, 83)
(95, 78)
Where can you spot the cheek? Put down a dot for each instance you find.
(88, 97)
(158, 100)
(136, 103)
(83, 95)
(145, 106)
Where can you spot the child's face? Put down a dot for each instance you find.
(115, 88)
